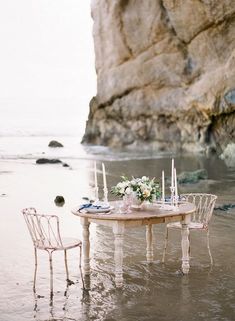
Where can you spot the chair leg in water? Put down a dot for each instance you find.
(51, 273)
(66, 266)
(208, 246)
(35, 269)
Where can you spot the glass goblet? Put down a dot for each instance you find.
(127, 202)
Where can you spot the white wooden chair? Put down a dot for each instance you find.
(45, 234)
(199, 219)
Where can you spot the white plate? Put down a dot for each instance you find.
(99, 210)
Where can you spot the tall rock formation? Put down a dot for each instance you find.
(165, 74)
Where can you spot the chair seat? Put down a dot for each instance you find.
(191, 225)
(67, 243)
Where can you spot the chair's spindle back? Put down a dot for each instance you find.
(44, 229)
(204, 206)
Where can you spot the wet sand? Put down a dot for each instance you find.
(151, 292)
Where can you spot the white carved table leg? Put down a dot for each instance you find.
(149, 240)
(118, 230)
(86, 245)
(185, 245)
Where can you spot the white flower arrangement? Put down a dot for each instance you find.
(143, 189)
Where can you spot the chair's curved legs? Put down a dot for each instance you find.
(35, 269)
(80, 266)
(51, 273)
(208, 246)
(165, 246)
(66, 265)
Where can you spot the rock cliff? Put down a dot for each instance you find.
(165, 74)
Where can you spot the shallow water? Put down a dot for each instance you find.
(151, 291)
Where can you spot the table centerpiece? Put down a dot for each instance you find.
(137, 191)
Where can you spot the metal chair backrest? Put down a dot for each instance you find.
(204, 206)
(44, 229)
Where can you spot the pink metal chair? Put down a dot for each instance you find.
(199, 219)
(45, 234)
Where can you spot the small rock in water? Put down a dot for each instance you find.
(48, 161)
(55, 143)
(65, 165)
(224, 207)
(59, 200)
(192, 177)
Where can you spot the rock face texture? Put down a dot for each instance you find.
(165, 74)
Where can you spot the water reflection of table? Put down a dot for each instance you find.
(120, 222)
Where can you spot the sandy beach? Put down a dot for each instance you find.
(23, 183)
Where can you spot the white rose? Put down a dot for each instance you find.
(122, 190)
(143, 187)
(128, 191)
(122, 184)
(119, 185)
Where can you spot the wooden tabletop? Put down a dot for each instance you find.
(152, 211)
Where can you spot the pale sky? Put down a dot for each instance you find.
(47, 72)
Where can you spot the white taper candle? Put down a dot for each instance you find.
(172, 172)
(96, 181)
(163, 187)
(104, 176)
(95, 170)
(176, 188)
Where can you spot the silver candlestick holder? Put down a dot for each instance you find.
(96, 189)
(174, 198)
(172, 188)
(105, 195)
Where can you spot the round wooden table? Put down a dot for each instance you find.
(120, 222)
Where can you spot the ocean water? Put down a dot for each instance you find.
(150, 292)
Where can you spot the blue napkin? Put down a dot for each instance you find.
(89, 205)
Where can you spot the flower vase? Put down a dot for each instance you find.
(137, 203)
